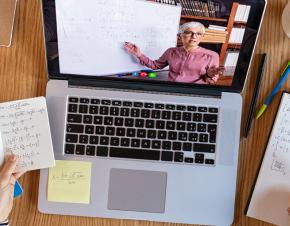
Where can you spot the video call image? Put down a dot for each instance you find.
(185, 41)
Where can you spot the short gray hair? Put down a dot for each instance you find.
(187, 25)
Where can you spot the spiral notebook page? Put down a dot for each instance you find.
(269, 200)
(25, 132)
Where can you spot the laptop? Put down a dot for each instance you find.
(161, 149)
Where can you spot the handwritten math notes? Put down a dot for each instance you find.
(70, 182)
(25, 131)
(269, 201)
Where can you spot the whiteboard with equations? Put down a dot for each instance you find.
(25, 132)
(91, 34)
(269, 201)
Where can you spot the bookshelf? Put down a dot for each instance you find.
(204, 18)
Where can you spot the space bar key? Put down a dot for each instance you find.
(132, 153)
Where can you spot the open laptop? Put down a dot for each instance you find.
(161, 150)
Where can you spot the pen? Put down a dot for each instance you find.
(275, 90)
(261, 73)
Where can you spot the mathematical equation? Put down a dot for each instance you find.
(69, 177)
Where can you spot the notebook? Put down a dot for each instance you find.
(269, 200)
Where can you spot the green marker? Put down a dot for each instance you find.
(152, 75)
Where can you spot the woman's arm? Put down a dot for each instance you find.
(214, 70)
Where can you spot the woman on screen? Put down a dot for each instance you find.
(189, 63)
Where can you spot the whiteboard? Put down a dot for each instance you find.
(91, 34)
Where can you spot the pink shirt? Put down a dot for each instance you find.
(184, 66)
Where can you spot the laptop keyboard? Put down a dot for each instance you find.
(166, 132)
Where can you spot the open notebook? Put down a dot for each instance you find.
(269, 200)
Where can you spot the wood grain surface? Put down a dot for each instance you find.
(23, 74)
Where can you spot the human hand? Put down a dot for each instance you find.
(215, 71)
(133, 49)
(7, 182)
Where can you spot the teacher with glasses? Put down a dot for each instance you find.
(189, 63)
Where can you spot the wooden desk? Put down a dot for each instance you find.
(23, 75)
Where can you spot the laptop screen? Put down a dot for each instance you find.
(193, 42)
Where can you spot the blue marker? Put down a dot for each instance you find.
(135, 74)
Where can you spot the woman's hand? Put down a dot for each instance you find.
(133, 49)
(213, 74)
(288, 211)
(7, 182)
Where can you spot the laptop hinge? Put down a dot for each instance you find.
(184, 89)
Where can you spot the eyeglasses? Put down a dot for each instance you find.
(190, 33)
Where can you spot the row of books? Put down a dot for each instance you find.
(237, 35)
(208, 8)
(214, 36)
(170, 2)
(230, 63)
(242, 13)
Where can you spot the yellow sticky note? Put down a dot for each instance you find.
(70, 181)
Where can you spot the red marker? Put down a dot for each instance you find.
(143, 74)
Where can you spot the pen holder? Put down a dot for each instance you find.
(286, 19)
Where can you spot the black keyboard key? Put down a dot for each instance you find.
(121, 132)
(193, 137)
(145, 143)
(80, 149)
(160, 124)
(125, 112)
(71, 138)
(172, 135)
(176, 146)
(119, 121)
(145, 113)
(187, 147)
(156, 144)
(69, 149)
(151, 134)
(83, 109)
(139, 123)
(95, 101)
(131, 132)
(89, 129)
(100, 130)
(74, 118)
(88, 119)
(180, 107)
(188, 160)
(199, 158)
(213, 110)
(159, 106)
(94, 139)
(129, 122)
(170, 106)
(73, 99)
(186, 116)
(148, 105)
(73, 108)
(115, 141)
(116, 103)
(138, 104)
(210, 118)
(141, 133)
(149, 123)
(109, 121)
(125, 142)
(84, 139)
(166, 115)
(134, 153)
(162, 134)
(167, 156)
(170, 125)
(212, 137)
(75, 128)
(110, 131)
(203, 137)
(84, 100)
(106, 102)
(211, 128)
(104, 110)
(104, 140)
(135, 112)
(98, 120)
(202, 109)
(135, 143)
(191, 126)
(102, 151)
(206, 148)
(178, 157)
(114, 111)
(166, 145)
(196, 117)
(90, 150)
(182, 136)
(209, 161)
(191, 108)
(94, 109)
(201, 127)
(200, 161)
(155, 114)
(180, 126)
(127, 103)
(176, 115)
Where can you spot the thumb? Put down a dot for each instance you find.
(8, 169)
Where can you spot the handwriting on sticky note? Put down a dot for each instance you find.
(70, 182)
(25, 132)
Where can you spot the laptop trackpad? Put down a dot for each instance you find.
(137, 190)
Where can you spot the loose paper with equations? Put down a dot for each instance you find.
(269, 200)
(25, 132)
